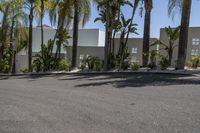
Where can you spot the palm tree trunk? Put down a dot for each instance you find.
(183, 38)
(4, 32)
(30, 39)
(12, 60)
(106, 48)
(170, 52)
(42, 31)
(75, 35)
(146, 37)
(115, 31)
(136, 2)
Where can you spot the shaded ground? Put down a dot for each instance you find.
(91, 103)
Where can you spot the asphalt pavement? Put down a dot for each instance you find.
(100, 103)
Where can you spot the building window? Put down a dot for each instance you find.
(134, 50)
(81, 57)
(195, 41)
(194, 52)
(134, 59)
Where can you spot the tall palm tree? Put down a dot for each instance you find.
(183, 40)
(18, 19)
(13, 28)
(4, 8)
(41, 24)
(32, 6)
(60, 14)
(110, 12)
(81, 13)
(183, 37)
(44, 4)
(148, 4)
(75, 33)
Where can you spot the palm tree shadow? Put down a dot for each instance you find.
(143, 80)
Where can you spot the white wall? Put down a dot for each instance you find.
(101, 42)
(87, 37)
(21, 62)
(49, 33)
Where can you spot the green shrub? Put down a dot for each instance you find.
(24, 70)
(5, 61)
(64, 65)
(194, 62)
(113, 62)
(153, 55)
(94, 63)
(38, 63)
(4, 66)
(125, 64)
(164, 63)
(83, 63)
(135, 67)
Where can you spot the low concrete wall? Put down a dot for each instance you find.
(21, 62)
(83, 52)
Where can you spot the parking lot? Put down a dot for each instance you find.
(100, 103)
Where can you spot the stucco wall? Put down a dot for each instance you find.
(99, 51)
(194, 32)
(87, 37)
(86, 51)
(21, 63)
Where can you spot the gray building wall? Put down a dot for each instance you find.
(133, 43)
(193, 47)
(87, 38)
(135, 48)
(84, 52)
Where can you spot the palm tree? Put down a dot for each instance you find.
(13, 28)
(4, 8)
(60, 14)
(44, 5)
(110, 12)
(81, 11)
(173, 35)
(148, 4)
(32, 6)
(185, 6)
(17, 31)
(41, 24)
(75, 33)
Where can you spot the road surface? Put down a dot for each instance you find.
(112, 103)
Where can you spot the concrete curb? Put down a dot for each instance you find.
(186, 73)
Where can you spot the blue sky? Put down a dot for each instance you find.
(159, 18)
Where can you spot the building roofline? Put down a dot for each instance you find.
(191, 27)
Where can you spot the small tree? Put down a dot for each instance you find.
(173, 35)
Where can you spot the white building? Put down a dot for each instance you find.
(87, 37)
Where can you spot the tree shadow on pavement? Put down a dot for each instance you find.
(140, 80)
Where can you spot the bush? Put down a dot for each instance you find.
(5, 61)
(4, 66)
(164, 63)
(24, 70)
(114, 62)
(83, 64)
(37, 64)
(153, 55)
(135, 67)
(94, 63)
(125, 64)
(194, 63)
(64, 65)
